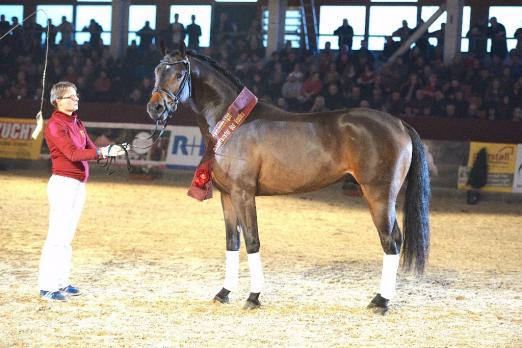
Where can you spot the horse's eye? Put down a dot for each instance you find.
(179, 75)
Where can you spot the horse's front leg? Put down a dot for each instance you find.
(232, 253)
(245, 208)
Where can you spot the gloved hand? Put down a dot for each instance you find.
(114, 150)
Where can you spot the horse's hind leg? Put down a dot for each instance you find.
(232, 253)
(381, 200)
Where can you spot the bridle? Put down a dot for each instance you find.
(171, 100)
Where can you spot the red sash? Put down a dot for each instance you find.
(237, 112)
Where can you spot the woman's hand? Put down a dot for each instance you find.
(114, 150)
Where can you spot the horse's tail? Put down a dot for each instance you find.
(416, 223)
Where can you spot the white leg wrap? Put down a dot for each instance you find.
(232, 270)
(257, 279)
(390, 265)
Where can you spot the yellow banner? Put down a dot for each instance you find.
(16, 141)
(501, 166)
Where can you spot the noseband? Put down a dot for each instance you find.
(171, 103)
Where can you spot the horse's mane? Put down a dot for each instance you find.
(231, 77)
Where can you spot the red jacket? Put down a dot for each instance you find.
(70, 146)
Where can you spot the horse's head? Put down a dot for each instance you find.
(172, 86)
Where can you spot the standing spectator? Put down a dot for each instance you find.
(194, 32)
(52, 32)
(4, 25)
(345, 35)
(422, 42)
(223, 29)
(33, 35)
(517, 35)
(96, 30)
(403, 32)
(178, 32)
(478, 36)
(497, 33)
(146, 35)
(66, 29)
(17, 36)
(439, 35)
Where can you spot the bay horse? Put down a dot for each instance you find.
(275, 152)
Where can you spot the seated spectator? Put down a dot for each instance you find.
(450, 111)
(390, 46)
(419, 102)
(135, 97)
(291, 91)
(377, 99)
(333, 100)
(394, 105)
(438, 104)
(354, 97)
(364, 104)
(318, 105)
(409, 88)
(517, 114)
(102, 87)
(282, 104)
(312, 86)
(504, 108)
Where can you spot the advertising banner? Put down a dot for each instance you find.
(517, 179)
(501, 165)
(186, 147)
(16, 141)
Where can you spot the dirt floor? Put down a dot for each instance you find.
(149, 260)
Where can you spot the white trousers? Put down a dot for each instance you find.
(66, 199)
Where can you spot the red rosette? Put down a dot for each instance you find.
(202, 177)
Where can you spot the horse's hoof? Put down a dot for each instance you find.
(252, 302)
(222, 296)
(379, 305)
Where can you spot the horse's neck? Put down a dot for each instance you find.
(211, 96)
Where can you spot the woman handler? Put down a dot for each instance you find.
(70, 149)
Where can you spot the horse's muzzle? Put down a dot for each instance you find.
(155, 109)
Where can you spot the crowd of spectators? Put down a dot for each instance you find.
(475, 85)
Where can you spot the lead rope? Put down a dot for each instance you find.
(39, 117)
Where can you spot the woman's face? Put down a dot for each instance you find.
(68, 101)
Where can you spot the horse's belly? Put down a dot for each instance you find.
(280, 178)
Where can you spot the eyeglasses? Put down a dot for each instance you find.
(71, 97)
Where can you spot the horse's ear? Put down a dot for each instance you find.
(183, 49)
(163, 49)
